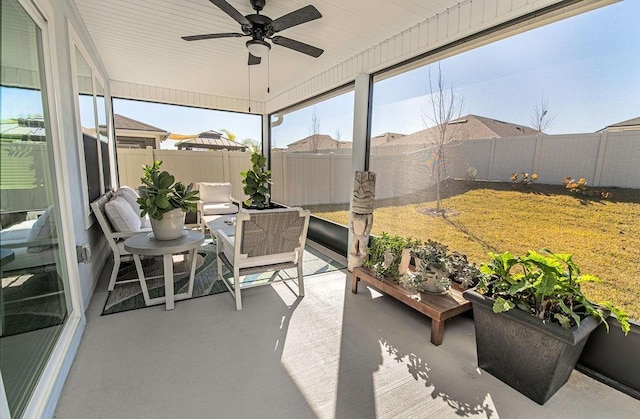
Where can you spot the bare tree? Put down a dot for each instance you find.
(445, 107)
(540, 118)
(314, 131)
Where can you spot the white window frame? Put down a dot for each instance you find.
(47, 391)
(76, 45)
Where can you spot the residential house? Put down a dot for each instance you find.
(210, 140)
(135, 134)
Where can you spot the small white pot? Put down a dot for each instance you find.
(170, 227)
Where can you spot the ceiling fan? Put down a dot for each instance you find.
(260, 27)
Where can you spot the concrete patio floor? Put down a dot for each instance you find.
(331, 354)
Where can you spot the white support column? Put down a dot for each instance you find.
(361, 132)
(361, 123)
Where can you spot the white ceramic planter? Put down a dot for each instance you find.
(170, 227)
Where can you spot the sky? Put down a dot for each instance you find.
(587, 68)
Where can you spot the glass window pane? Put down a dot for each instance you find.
(195, 144)
(311, 156)
(560, 101)
(103, 135)
(33, 300)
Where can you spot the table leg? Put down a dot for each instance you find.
(168, 281)
(354, 283)
(143, 282)
(194, 256)
(437, 331)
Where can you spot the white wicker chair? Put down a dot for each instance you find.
(265, 240)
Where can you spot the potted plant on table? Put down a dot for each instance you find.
(256, 183)
(437, 269)
(432, 269)
(388, 255)
(532, 320)
(166, 201)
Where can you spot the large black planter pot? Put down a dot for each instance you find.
(532, 357)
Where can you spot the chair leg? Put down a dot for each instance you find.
(114, 272)
(219, 262)
(236, 288)
(300, 281)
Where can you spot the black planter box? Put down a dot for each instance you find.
(520, 350)
(608, 357)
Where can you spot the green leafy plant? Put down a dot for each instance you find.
(443, 266)
(384, 254)
(462, 271)
(256, 182)
(545, 285)
(163, 194)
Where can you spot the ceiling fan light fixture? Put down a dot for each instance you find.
(258, 48)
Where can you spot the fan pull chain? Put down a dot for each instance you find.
(268, 71)
(249, 73)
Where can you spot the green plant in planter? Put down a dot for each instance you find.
(545, 285)
(256, 182)
(432, 269)
(384, 254)
(462, 271)
(437, 268)
(164, 194)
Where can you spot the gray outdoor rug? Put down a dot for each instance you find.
(129, 296)
(32, 301)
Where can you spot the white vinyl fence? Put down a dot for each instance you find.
(604, 159)
(186, 166)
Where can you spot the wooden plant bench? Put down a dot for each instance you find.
(437, 307)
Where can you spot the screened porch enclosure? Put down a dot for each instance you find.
(538, 149)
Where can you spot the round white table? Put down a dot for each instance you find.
(145, 245)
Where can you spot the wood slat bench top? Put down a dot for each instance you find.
(437, 307)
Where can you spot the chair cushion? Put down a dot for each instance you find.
(219, 208)
(215, 192)
(17, 233)
(132, 198)
(121, 216)
(43, 229)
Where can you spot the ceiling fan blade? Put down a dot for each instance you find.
(297, 46)
(231, 11)
(212, 36)
(253, 60)
(306, 14)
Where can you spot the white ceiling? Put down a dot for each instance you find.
(139, 41)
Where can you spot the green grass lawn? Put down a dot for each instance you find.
(603, 235)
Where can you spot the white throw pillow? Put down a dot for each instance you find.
(132, 198)
(43, 229)
(121, 216)
(215, 192)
